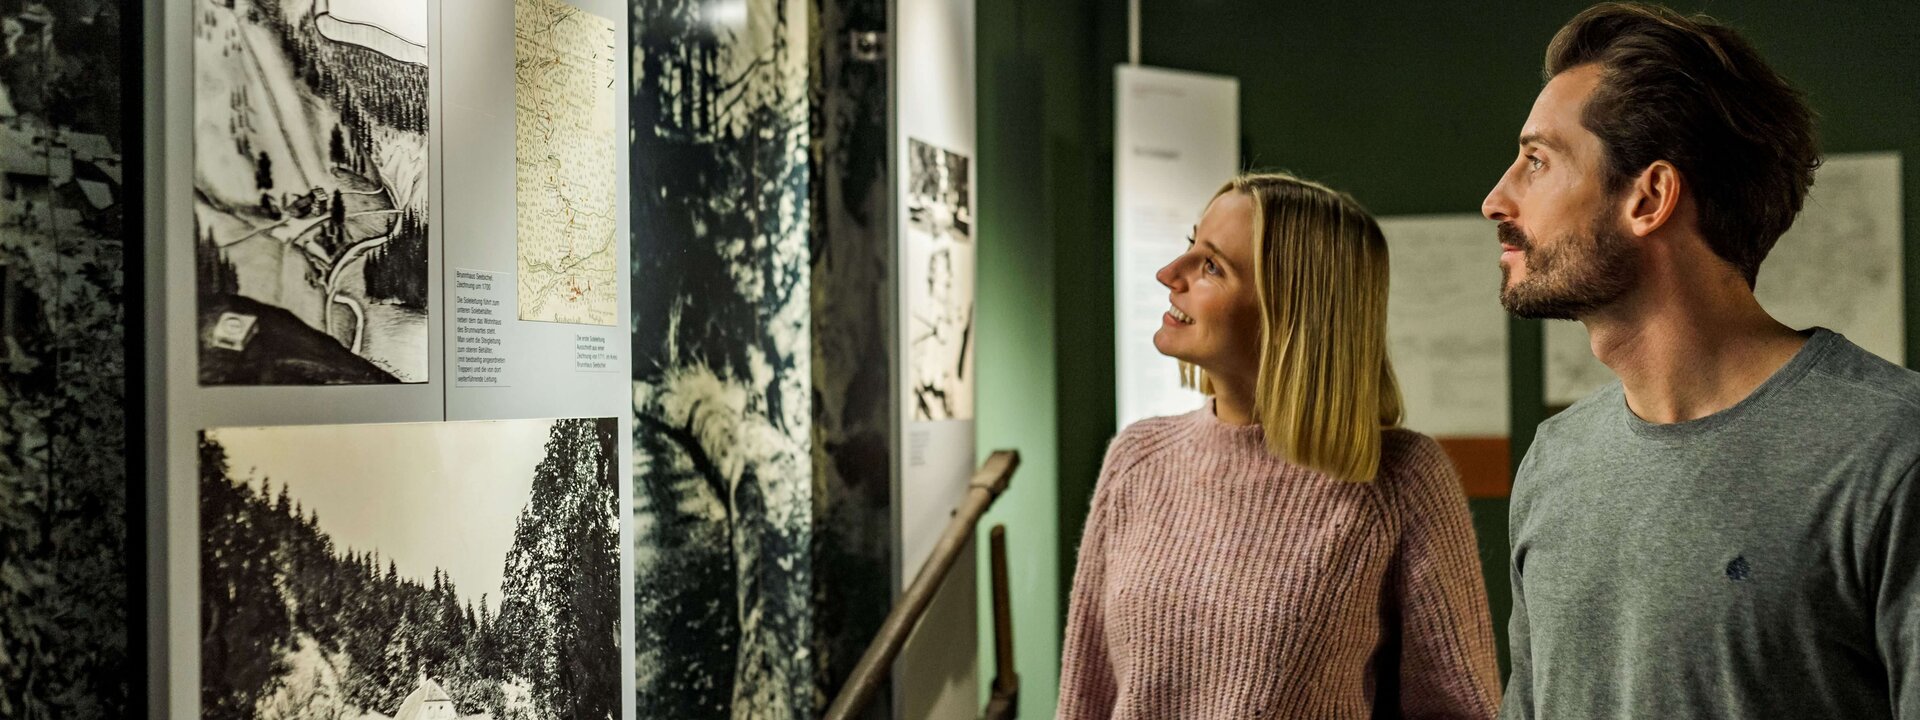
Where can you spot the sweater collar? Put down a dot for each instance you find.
(1214, 433)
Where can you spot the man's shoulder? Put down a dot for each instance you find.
(1559, 440)
(1863, 385)
(1597, 408)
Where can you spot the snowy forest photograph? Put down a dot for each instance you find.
(722, 465)
(310, 191)
(432, 570)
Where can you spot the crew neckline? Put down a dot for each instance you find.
(1211, 427)
(1819, 342)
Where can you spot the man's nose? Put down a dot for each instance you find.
(1498, 205)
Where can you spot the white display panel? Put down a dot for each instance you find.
(1176, 140)
(562, 370)
(546, 369)
(1446, 331)
(932, 49)
(183, 406)
(1850, 227)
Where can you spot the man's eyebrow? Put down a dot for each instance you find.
(1543, 140)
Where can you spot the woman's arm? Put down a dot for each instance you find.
(1447, 666)
(1087, 683)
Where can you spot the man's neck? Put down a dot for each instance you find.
(1685, 352)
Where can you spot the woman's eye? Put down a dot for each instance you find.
(1211, 268)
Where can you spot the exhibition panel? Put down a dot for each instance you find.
(935, 213)
(399, 239)
(721, 368)
(328, 269)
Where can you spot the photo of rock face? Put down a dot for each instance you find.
(310, 191)
(939, 277)
(432, 570)
(723, 493)
(64, 260)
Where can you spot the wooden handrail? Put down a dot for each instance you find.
(987, 485)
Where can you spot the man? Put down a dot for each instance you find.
(1733, 529)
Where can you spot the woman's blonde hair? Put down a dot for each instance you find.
(1326, 387)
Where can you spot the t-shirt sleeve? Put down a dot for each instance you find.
(1448, 667)
(1519, 693)
(1897, 605)
(1087, 684)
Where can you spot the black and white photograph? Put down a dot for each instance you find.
(411, 572)
(310, 191)
(722, 366)
(64, 262)
(854, 413)
(939, 279)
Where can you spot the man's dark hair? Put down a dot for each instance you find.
(1691, 91)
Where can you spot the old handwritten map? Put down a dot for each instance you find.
(564, 110)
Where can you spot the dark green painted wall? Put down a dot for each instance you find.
(1043, 204)
(1411, 106)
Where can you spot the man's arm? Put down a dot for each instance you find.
(1518, 703)
(1897, 605)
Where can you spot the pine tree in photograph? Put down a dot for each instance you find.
(277, 592)
(722, 412)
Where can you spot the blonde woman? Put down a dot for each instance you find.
(1285, 551)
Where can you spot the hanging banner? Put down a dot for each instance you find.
(1176, 139)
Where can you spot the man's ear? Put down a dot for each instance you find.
(1653, 198)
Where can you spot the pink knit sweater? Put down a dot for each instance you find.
(1216, 581)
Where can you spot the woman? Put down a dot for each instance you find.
(1284, 551)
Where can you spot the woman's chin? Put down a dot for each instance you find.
(1165, 345)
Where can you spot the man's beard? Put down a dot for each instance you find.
(1586, 270)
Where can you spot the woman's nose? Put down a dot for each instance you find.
(1169, 275)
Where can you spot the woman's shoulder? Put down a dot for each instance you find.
(1154, 428)
(1143, 440)
(1154, 434)
(1411, 459)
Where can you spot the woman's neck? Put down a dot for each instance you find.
(1232, 400)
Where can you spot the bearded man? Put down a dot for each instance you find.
(1732, 530)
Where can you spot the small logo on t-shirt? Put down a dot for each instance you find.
(1738, 570)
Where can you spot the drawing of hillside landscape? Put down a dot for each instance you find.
(310, 191)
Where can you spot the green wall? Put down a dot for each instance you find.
(1037, 212)
(1413, 107)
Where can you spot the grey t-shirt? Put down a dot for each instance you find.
(1760, 562)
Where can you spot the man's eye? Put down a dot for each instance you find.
(1535, 163)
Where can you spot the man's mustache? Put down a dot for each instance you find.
(1512, 236)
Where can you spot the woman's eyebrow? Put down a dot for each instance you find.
(1215, 250)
